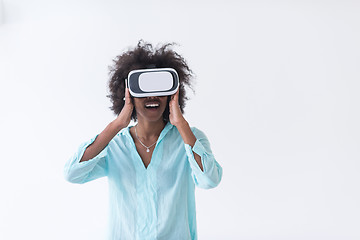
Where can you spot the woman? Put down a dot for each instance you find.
(154, 166)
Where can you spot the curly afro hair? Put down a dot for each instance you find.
(143, 56)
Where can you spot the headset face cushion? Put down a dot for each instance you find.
(153, 82)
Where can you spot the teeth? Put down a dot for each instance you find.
(152, 105)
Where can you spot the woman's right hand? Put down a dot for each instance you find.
(122, 121)
(124, 117)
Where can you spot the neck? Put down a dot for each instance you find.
(148, 130)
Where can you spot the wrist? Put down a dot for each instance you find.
(181, 123)
(118, 124)
(186, 133)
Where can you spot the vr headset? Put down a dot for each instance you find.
(153, 82)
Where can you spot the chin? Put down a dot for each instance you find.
(148, 116)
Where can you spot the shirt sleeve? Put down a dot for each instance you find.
(82, 172)
(211, 176)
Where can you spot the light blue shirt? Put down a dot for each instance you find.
(157, 202)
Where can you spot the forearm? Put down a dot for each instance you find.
(189, 138)
(102, 140)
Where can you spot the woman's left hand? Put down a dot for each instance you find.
(178, 120)
(176, 117)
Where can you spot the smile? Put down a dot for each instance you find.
(152, 105)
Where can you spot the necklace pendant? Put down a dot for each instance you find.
(147, 150)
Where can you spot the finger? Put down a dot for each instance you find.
(127, 96)
(176, 96)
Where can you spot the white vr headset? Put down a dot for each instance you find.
(153, 82)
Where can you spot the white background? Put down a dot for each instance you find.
(277, 94)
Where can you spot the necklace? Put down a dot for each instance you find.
(147, 148)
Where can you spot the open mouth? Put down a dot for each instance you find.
(152, 105)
